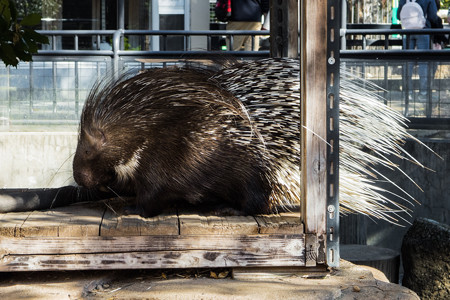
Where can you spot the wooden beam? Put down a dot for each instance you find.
(284, 28)
(314, 113)
(27, 254)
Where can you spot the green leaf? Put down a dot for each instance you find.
(23, 56)
(29, 44)
(31, 20)
(36, 37)
(8, 55)
(5, 11)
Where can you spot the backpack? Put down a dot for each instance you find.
(412, 16)
(223, 10)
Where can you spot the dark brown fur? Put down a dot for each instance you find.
(171, 135)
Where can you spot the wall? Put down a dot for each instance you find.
(36, 159)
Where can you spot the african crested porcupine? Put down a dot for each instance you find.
(175, 134)
(229, 137)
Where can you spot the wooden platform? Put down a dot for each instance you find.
(93, 236)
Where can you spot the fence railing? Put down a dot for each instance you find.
(413, 81)
(54, 86)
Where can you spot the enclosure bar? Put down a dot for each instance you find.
(333, 65)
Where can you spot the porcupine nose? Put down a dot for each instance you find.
(84, 178)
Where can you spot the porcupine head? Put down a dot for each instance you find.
(169, 136)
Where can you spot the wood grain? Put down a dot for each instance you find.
(314, 113)
(150, 252)
(10, 223)
(135, 225)
(209, 224)
(283, 223)
(72, 221)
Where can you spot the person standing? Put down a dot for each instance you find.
(246, 15)
(420, 41)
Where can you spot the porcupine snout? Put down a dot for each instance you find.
(85, 178)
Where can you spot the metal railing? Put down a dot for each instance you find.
(52, 88)
(415, 82)
(88, 54)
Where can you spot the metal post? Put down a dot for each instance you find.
(333, 66)
(77, 87)
(343, 16)
(55, 84)
(121, 14)
(121, 19)
(116, 47)
(31, 90)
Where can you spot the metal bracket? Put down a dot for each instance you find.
(333, 47)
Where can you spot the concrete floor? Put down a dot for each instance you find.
(349, 282)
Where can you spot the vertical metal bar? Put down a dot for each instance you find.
(386, 82)
(103, 15)
(8, 74)
(54, 81)
(121, 14)
(77, 86)
(405, 84)
(187, 44)
(428, 109)
(332, 244)
(30, 96)
(155, 19)
(164, 40)
(343, 15)
(98, 42)
(116, 47)
(75, 40)
(121, 19)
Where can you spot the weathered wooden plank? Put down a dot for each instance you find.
(283, 223)
(10, 223)
(314, 114)
(149, 260)
(133, 225)
(25, 254)
(208, 224)
(71, 221)
(74, 245)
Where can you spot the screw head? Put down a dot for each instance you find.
(331, 208)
